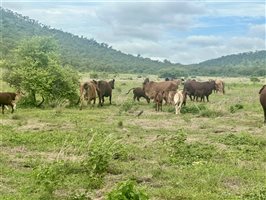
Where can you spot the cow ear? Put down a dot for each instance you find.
(94, 81)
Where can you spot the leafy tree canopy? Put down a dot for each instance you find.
(36, 69)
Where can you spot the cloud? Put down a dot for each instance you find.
(258, 30)
(199, 40)
(182, 32)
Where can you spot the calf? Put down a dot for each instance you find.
(138, 93)
(179, 100)
(88, 92)
(8, 99)
(158, 99)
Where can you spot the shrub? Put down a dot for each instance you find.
(127, 190)
(254, 79)
(94, 75)
(236, 107)
(48, 177)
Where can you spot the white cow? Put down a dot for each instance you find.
(179, 100)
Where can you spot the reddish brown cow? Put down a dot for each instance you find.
(88, 91)
(151, 88)
(158, 99)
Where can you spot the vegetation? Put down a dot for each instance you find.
(65, 153)
(88, 55)
(36, 70)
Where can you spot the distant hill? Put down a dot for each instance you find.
(248, 63)
(88, 55)
(80, 52)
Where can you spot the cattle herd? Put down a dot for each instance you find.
(158, 91)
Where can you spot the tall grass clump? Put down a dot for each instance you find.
(201, 110)
(235, 108)
(128, 106)
(100, 150)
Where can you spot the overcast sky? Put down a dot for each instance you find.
(180, 31)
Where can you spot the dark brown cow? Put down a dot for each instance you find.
(151, 88)
(105, 90)
(158, 99)
(262, 93)
(8, 99)
(88, 92)
(199, 89)
(138, 93)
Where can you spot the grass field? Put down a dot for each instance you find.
(214, 150)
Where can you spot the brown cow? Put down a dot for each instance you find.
(262, 93)
(219, 86)
(151, 88)
(105, 90)
(138, 93)
(158, 99)
(88, 91)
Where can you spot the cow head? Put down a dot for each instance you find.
(112, 83)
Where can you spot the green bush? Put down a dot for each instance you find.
(127, 190)
(94, 75)
(48, 178)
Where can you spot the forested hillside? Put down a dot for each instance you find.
(82, 53)
(249, 63)
(88, 55)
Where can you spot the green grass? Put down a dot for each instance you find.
(212, 150)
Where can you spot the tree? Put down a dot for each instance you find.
(37, 71)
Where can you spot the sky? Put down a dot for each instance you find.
(180, 31)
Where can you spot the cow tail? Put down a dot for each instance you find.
(130, 90)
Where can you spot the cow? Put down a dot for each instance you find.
(151, 88)
(179, 100)
(158, 99)
(9, 99)
(88, 92)
(199, 89)
(170, 97)
(105, 90)
(138, 93)
(262, 93)
(219, 86)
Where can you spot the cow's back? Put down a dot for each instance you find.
(151, 88)
(104, 88)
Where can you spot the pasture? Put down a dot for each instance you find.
(214, 150)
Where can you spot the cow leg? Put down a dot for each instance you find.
(110, 99)
(264, 109)
(147, 99)
(134, 98)
(138, 98)
(176, 109)
(3, 107)
(207, 97)
(94, 100)
(12, 107)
